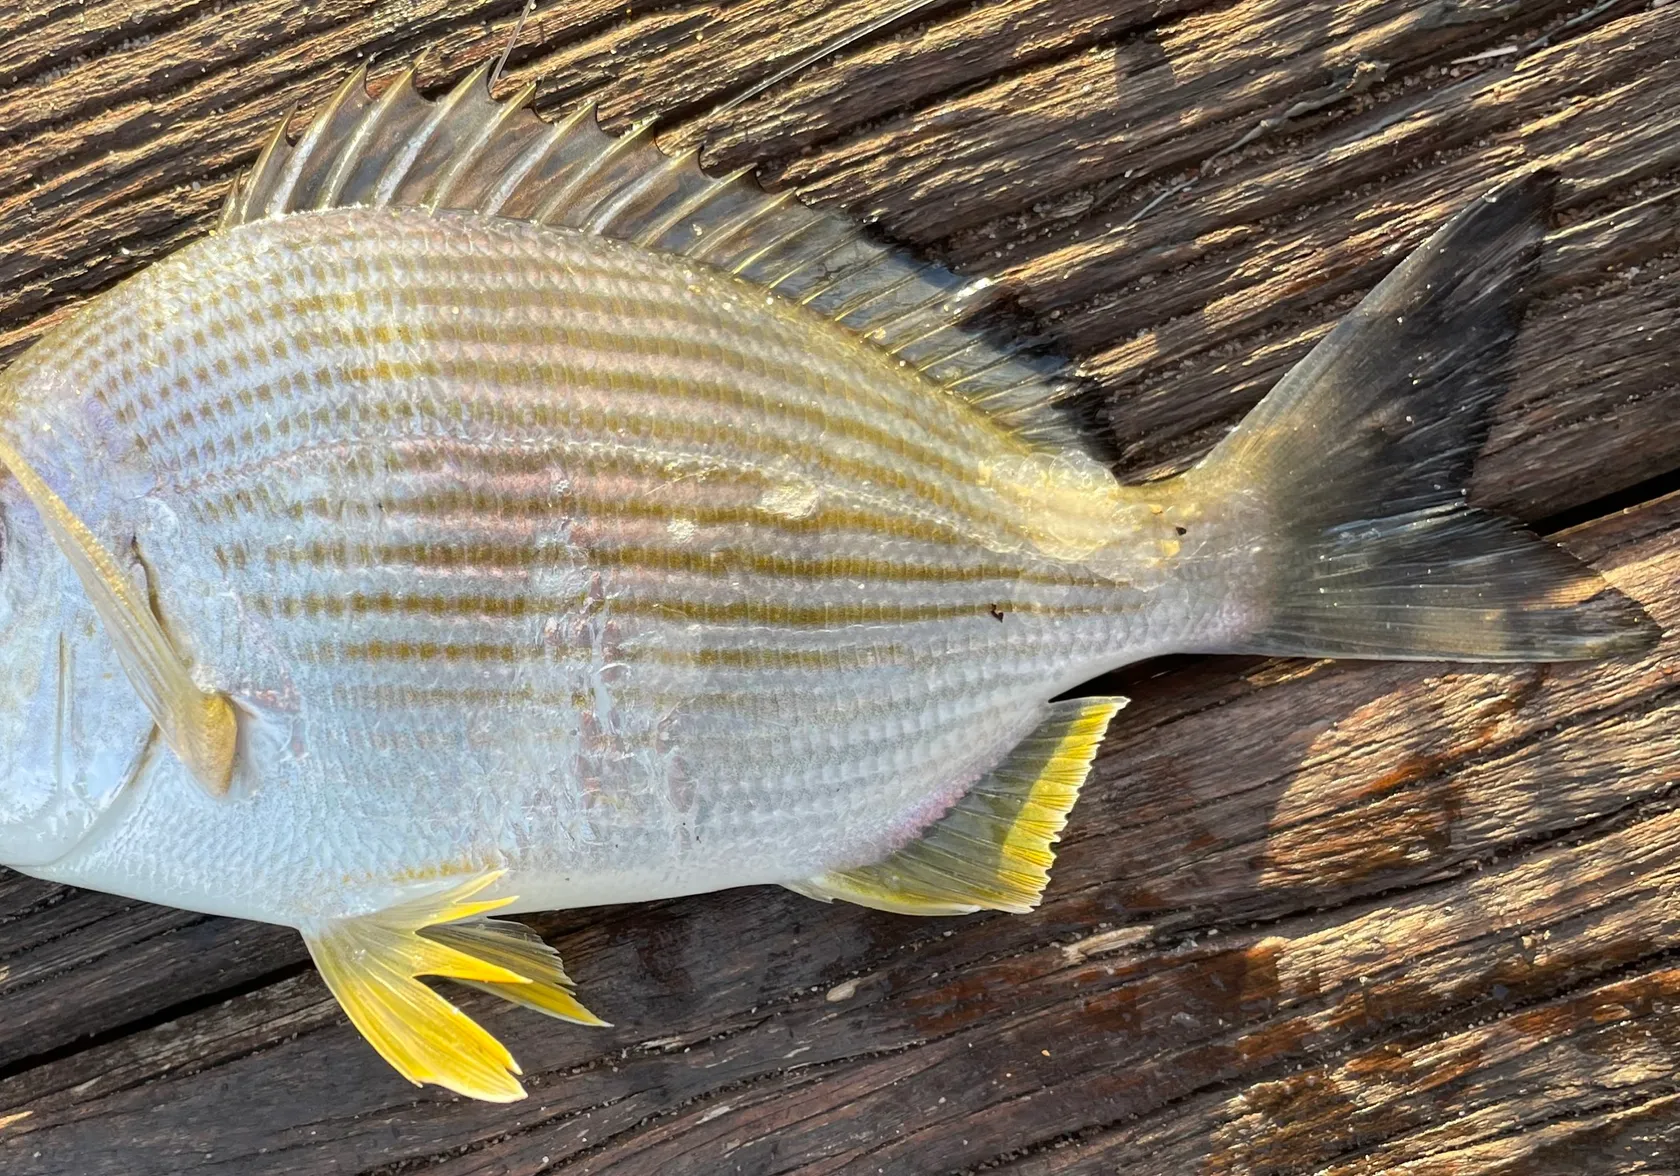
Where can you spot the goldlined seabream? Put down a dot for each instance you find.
(497, 515)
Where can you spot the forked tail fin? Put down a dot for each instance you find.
(1351, 476)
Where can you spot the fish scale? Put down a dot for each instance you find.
(497, 515)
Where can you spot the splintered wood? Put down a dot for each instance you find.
(1309, 917)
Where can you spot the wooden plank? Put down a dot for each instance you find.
(1309, 917)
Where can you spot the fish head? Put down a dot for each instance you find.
(73, 734)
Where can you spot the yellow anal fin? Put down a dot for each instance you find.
(992, 851)
(372, 964)
(198, 725)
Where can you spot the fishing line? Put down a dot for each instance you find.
(513, 39)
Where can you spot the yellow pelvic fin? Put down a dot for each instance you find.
(197, 724)
(993, 849)
(514, 946)
(371, 964)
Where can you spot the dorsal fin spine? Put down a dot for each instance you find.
(269, 161)
(656, 230)
(298, 155)
(587, 171)
(474, 151)
(403, 163)
(231, 205)
(601, 221)
(467, 152)
(350, 154)
(532, 157)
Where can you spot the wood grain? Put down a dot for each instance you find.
(1309, 917)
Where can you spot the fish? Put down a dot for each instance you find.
(495, 514)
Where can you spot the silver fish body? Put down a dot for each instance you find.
(522, 549)
(497, 515)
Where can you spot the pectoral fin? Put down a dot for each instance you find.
(371, 964)
(197, 724)
(993, 849)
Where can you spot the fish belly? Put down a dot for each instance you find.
(525, 550)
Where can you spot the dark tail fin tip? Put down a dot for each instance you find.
(1453, 584)
(1361, 455)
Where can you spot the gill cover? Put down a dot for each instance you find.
(197, 724)
(71, 738)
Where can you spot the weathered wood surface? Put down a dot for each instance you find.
(1308, 918)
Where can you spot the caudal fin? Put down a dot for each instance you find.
(1353, 472)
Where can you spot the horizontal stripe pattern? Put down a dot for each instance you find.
(466, 477)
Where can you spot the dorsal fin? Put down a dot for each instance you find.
(467, 152)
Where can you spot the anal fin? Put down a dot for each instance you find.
(372, 964)
(992, 850)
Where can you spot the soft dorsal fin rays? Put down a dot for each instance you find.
(371, 964)
(198, 725)
(992, 851)
(466, 152)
